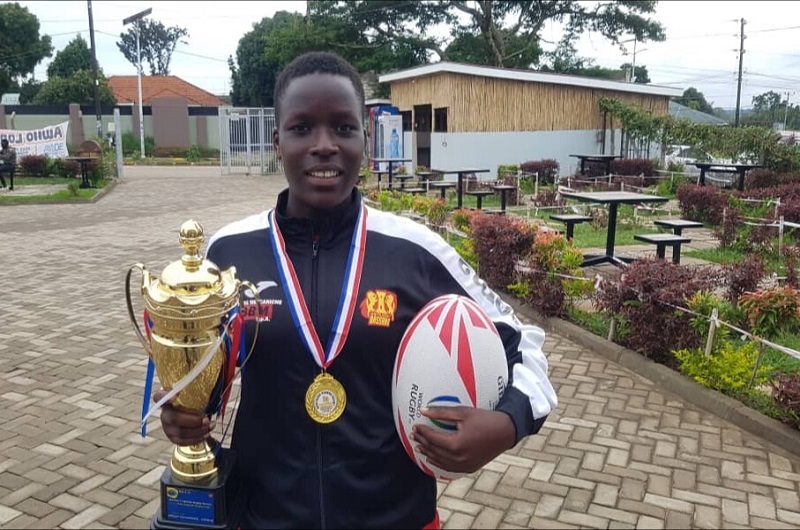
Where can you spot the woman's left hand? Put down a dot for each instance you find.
(481, 436)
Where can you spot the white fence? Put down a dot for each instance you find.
(245, 141)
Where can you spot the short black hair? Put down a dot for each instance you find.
(316, 63)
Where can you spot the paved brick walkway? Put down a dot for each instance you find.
(617, 453)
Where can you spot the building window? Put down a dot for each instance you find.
(440, 120)
(407, 120)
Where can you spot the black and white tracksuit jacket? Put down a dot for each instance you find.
(353, 472)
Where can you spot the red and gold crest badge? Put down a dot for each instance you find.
(379, 307)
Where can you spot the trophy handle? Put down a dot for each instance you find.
(131, 315)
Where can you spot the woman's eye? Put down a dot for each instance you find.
(346, 128)
(299, 128)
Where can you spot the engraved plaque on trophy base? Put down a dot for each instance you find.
(214, 504)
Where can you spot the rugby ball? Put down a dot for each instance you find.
(451, 355)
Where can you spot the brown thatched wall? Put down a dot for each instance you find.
(484, 104)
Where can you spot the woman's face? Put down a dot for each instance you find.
(320, 140)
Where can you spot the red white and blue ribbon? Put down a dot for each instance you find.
(231, 340)
(347, 299)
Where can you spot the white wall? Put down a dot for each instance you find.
(487, 150)
(408, 151)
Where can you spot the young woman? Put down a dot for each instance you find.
(347, 468)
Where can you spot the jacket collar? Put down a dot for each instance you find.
(339, 220)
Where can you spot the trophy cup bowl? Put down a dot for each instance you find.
(188, 308)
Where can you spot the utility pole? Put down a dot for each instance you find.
(94, 72)
(786, 110)
(739, 81)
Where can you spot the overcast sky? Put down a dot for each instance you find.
(700, 50)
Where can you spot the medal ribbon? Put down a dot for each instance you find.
(347, 299)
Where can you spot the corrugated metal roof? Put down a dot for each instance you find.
(676, 110)
(530, 76)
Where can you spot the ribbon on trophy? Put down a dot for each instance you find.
(233, 347)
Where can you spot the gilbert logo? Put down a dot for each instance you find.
(379, 307)
(255, 306)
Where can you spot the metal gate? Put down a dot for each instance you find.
(245, 141)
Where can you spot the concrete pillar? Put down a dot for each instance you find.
(170, 122)
(3, 117)
(75, 125)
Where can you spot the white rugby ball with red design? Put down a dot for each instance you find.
(451, 355)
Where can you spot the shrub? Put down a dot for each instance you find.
(743, 276)
(704, 303)
(786, 393)
(633, 167)
(546, 168)
(770, 311)
(169, 152)
(500, 241)
(132, 147)
(548, 197)
(760, 178)
(646, 296)
(542, 280)
(728, 230)
(34, 165)
(728, 370)
(702, 203)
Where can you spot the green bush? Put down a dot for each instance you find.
(727, 370)
(131, 145)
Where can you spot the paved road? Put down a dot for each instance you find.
(617, 453)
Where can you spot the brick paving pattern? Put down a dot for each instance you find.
(617, 453)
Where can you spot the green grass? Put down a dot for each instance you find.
(780, 361)
(728, 256)
(60, 195)
(40, 181)
(594, 322)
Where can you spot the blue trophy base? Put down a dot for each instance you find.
(213, 505)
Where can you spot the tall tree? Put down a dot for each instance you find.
(694, 99)
(75, 56)
(77, 88)
(640, 73)
(275, 41)
(771, 108)
(157, 43)
(21, 46)
(508, 28)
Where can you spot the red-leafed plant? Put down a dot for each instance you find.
(646, 297)
(743, 276)
(34, 165)
(500, 241)
(786, 393)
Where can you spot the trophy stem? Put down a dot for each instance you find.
(194, 463)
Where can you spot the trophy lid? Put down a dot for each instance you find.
(191, 275)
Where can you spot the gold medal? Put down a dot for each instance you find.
(325, 399)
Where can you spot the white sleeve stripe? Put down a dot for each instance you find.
(530, 376)
(251, 223)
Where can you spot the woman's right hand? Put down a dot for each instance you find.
(182, 427)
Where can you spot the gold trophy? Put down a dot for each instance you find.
(190, 309)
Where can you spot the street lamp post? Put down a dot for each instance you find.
(136, 18)
(632, 77)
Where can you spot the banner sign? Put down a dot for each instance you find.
(50, 140)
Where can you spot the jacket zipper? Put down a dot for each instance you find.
(314, 297)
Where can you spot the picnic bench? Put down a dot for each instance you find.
(677, 225)
(571, 220)
(479, 195)
(662, 241)
(443, 186)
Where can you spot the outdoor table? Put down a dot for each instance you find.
(599, 159)
(479, 195)
(84, 161)
(443, 187)
(734, 169)
(390, 162)
(426, 176)
(403, 179)
(613, 199)
(460, 172)
(503, 188)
